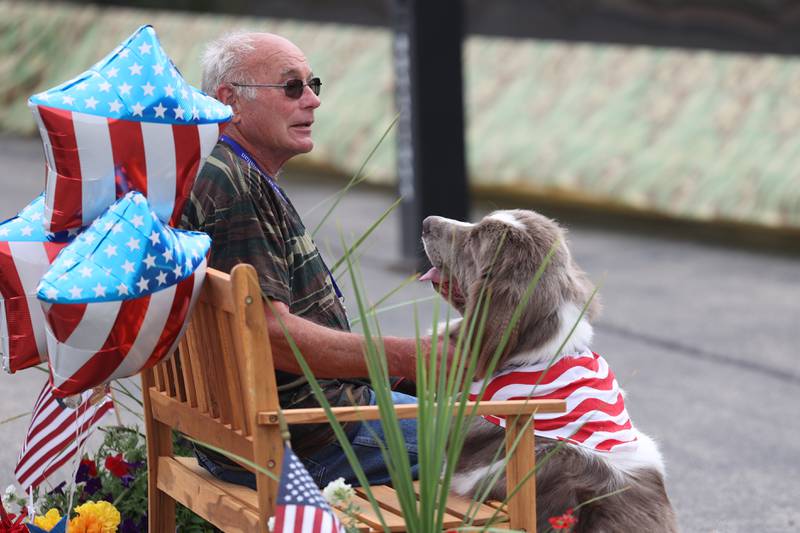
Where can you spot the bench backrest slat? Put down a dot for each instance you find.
(222, 375)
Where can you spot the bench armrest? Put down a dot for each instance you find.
(316, 415)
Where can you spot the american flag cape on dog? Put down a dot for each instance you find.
(596, 417)
(26, 252)
(300, 507)
(118, 298)
(56, 433)
(131, 122)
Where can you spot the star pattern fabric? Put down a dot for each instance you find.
(26, 252)
(118, 299)
(136, 81)
(127, 252)
(130, 122)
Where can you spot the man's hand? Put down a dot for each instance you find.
(403, 358)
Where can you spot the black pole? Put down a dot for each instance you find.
(431, 170)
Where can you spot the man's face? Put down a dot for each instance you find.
(277, 126)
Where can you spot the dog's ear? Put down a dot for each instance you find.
(498, 322)
(490, 292)
(489, 297)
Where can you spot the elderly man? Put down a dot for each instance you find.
(236, 200)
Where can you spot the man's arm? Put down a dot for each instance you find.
(331, 353)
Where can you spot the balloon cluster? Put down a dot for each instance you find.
(93, 279)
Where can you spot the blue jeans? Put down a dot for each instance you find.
(330, 462)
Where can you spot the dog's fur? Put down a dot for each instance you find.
(501, 254)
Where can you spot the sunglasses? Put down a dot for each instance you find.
(292, 89)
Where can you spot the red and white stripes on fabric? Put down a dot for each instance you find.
(93, 160)
(55, 434)
(595, 417)
(22, 325)
(305, 519)
(91, 344)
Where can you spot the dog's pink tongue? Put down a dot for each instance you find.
(433, 275)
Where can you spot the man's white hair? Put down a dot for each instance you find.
(223, 61)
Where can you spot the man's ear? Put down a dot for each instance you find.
(227, 95)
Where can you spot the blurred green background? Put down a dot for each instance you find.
(688, 134)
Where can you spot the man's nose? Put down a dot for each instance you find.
(310, 99)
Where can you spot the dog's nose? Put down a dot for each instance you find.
(426, 225)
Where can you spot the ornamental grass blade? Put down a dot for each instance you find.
(381, 310)
(395, 451)
(364, 236)
(357, 178)
(233, 456)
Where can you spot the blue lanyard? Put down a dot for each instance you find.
(242, 153)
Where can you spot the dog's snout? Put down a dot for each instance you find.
(435, 226)
(427, 225)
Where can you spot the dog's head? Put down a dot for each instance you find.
(499, 257)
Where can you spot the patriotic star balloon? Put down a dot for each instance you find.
(118, 298)
(130, 122)
(26, 252)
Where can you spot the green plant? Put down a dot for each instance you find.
(116, 473)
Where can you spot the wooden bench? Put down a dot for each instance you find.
(219, 388)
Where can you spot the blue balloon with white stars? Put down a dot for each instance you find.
(27, 226)
(125, 253)
(136, 81)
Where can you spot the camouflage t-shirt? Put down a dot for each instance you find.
(250, 220)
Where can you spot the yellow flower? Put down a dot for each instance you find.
(86, 524)
(100, 517)
(47, 521)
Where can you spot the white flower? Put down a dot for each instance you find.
(10, 491)
(271, 523)
(338, 492)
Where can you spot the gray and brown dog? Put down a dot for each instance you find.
(596, 451)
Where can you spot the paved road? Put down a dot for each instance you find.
(701, 336)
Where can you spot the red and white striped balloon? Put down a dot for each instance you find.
(118, 298)
(26, 253)
(130, 122)
(92, 161)
(93, 343)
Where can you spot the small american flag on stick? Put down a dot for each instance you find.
(300, 507)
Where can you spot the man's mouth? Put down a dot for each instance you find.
(303, 125)
(445, 285)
